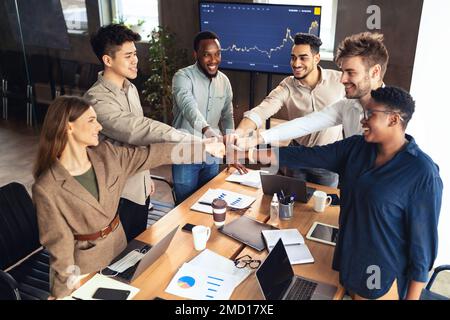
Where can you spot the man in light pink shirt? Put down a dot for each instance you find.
(310, 89)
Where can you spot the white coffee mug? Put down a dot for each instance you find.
(201, 235)
(321, 201)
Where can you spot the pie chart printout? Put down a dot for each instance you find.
(186, 282)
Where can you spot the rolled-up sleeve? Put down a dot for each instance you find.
(269, 106)
(185, 100)
(57, 237)
(422, 223)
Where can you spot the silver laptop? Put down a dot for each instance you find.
(275, 183)
(152, 253)
(277, 280)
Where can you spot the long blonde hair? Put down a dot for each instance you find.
(53, 137)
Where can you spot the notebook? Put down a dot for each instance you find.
(294, 244)
(247, 231)
(250, 179)
(235, 201)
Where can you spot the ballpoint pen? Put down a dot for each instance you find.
(293, 244)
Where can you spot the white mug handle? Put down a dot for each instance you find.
(208, 233)
(328, 201)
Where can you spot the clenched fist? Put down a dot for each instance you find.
(214, 147)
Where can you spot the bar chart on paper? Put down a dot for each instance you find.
(234, 200)
(198, 283)
(214, 285)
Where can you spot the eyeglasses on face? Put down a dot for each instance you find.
(246, 260)
(369, 112)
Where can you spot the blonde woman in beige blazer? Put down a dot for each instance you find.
(80, 228)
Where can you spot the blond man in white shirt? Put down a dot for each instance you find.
(363, 59)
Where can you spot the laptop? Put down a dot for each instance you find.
(277, 280)
(275, 183)
(152, 253)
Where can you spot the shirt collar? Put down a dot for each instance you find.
(324, 76)
(201, 73)
(112, 87)
(412, 146)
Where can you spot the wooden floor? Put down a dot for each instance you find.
(18, 145)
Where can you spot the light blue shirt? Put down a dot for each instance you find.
(199, 101)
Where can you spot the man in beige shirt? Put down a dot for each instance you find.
(116, 102)
(310, 89)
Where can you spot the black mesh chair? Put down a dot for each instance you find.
(427, 294)
(24, 264)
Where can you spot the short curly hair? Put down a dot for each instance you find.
(305, 38)
(203, 35)
(108, 39)
(369, 46)
(397, 100)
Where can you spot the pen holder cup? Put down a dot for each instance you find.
(286, 211)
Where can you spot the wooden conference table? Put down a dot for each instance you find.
(156, 278)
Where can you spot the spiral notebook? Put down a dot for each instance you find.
(293, 242)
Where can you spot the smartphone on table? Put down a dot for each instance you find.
(188, 227)
(111, 294)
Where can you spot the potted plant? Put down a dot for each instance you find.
(165, 58)
(139, 27)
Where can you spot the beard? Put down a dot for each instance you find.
(361, 89)
(206, 73)
(307, 73)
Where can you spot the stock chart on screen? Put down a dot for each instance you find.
(258, 37)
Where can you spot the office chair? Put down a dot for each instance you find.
(159, 208)
(24, 264)
(427, 294)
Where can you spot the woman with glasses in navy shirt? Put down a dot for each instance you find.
(390, 201)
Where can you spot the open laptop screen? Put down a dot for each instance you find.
(275, 274)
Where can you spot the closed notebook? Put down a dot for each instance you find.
(294, 244)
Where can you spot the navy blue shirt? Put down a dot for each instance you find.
(389, 214)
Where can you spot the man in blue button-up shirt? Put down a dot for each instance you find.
(391, 198)
(202, 100)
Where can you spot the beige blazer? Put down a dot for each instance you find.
(120, 113)
(65, 208)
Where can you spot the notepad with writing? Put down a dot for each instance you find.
(294, 244)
